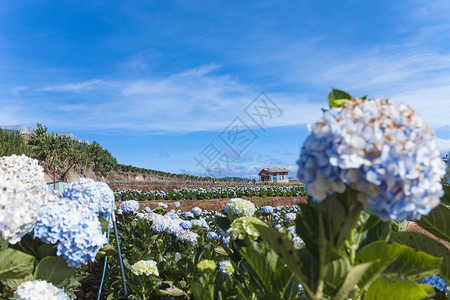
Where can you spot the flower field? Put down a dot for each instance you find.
(367, 167)
(211, 193)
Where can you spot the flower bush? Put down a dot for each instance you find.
(43, 233)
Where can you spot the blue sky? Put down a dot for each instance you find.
(160, 84)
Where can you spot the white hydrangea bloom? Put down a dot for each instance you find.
(145, 267)
(22, 193)
(39, 289)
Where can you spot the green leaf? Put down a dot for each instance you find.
(396, 260)
(414, 265)
(104, 224)
(337, 97)
(222, 222)
(379, 251)
(381, 231)
(371, 222)
(336, 271)
(446, 198)
(55, 270)
(423, 243)
(396, 288)
(15, 264)
(107, 250)
(285, 250)
(221, 251)
(437, 222)
(259, 264)
(173, 291)
(351, 280)
(46, 250)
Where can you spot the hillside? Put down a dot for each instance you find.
(64, 157)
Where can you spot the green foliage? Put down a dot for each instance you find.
(12, 143)
(55, 270)
(15, 264)
(337, 97)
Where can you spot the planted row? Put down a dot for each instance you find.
(211, 193)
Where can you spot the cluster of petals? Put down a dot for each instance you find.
(382, 150)
(173, 226)
(73, 228)
(129, 206)
(237, 207)
(39, 289)
(145, 267)
(95, 195)
(22, 193)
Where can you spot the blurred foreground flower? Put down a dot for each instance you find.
(39, 289)
(380, 149)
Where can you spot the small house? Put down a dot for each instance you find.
(58, 185)
(274, 175)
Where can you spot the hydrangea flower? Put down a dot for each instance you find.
(197, 211)
(148, 210)
(176, 204)
(267, 209)
(212, 236)
(95, 195)
(162, 205)
(237, 207)
(435, 281)
(226, 267)
(289, 217)
(39, 289)
(187, 236)
(382, 150)
(129, 206)
(242, 228)
(74, 228)
(22, 193)
(145, 267)
(206, 265)
(186, 224)
(25, 169)
(19, 209)
(188, 215)
(196, 223)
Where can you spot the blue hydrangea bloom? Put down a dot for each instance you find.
(148, 209)
(212, 236)
(74, 228)
(186, 224)
(129, 206)
(267, 209)
(95, 195)
(188, 215)
(197, 211)
(436, 282)
(289, 217)
(382, 150)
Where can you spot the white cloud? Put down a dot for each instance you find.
(443, 146)
(75, 87)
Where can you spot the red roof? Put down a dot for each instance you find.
(273, 170)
